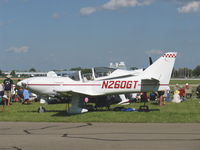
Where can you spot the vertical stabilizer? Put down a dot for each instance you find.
(161, 69)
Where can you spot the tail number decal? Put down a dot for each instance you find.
(119, 84)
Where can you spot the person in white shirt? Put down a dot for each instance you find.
(176, 98)
(1, 90)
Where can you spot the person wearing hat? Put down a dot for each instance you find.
(3, 102)
(8, 83)
(188, 91)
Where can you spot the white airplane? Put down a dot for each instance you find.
(154, 78)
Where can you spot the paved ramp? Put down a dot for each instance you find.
(98, 136)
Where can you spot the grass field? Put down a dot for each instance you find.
(173, 82)
(185, 112)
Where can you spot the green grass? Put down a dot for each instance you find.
(186, 112)
(173, 82)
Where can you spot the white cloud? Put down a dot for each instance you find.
(88, 10)
(193, 6)
(56, 16)
(154, 52)
(116, 4)
(22, 49)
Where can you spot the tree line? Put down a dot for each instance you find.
(186, 72)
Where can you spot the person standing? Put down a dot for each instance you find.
(166, 96)
(188, 91)
(160, 97)
(8, 83)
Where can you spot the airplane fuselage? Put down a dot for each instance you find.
(52, 85)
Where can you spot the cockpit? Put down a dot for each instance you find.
(88, 74)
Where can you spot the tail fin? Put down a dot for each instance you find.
(161, 69)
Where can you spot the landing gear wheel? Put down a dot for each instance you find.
(41, 109)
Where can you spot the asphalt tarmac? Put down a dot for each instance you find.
(98, 136)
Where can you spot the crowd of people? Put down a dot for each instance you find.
(176, 95)
(9, 93)
(182, 93)
(159, 97)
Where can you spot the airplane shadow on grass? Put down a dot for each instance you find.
(64, 113)
(60, 113)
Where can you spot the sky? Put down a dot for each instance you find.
(62, 34)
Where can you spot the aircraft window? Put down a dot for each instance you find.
(74, 77)
(87, 76)
(103, 71)
(71, 74)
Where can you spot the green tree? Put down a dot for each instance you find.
(182, 73)
(76, 69)
(196, 71)
(1, 73)
(83, 70)
(32, 70)
(86, 70)
(13, 73)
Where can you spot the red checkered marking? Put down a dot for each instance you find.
(169, 55)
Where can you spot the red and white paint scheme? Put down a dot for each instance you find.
(154, 78)
(169, 55)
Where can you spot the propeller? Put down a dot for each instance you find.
(150, 61)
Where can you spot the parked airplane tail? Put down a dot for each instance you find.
(161, 69)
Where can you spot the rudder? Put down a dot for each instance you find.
(161, 69)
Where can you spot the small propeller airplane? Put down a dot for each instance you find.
(154, 78)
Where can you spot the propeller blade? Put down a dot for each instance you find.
(150, 61)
